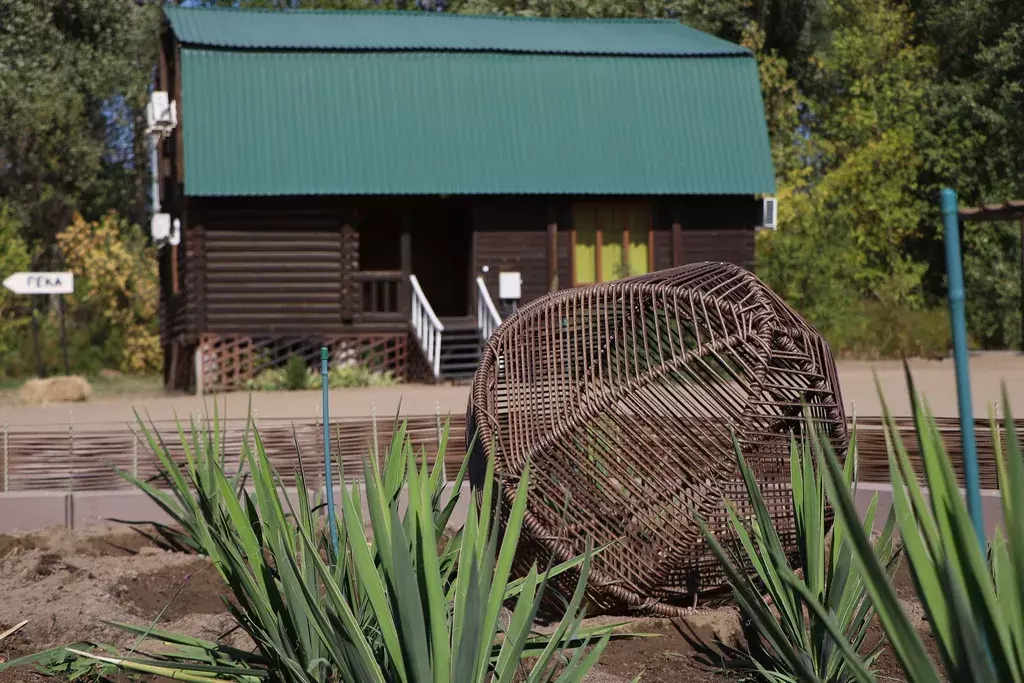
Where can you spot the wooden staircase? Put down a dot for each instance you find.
(452, 347)
(461, 346)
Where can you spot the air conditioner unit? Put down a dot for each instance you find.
(769, 213)
(160, 227)
(161, 112)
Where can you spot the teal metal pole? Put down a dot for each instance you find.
(331, 519)
(958, 319)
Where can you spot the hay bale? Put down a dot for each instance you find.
(68, 389)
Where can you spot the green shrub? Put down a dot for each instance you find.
(412, 605)
(870, 330)
(296, 375)
(339, 377)
(353, 377)
(793, 644)
(271, 379)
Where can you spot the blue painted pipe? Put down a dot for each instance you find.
(958, 319)
(331, 519)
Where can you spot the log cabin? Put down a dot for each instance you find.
(391, 184)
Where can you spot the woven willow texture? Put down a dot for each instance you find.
(622, 396)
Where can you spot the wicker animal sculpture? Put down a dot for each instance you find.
(622, 396)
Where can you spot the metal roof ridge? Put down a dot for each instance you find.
(740, 53)
(445, 16)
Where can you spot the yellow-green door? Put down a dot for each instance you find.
(611, 240)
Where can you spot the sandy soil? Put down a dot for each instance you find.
(66, 582)
(934, 379)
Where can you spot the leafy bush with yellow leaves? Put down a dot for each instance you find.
(116, 299)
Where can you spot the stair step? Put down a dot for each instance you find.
(458, 372)
(460, 348)
(460, 362)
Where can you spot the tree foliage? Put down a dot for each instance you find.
(871, 106)
(116, 294)
(889, 115)
(74, 75)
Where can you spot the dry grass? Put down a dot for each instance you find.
(68, 389)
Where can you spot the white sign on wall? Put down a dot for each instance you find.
(41, 283)
(510, 285)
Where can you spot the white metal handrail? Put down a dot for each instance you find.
(487, 318)
(426, 326)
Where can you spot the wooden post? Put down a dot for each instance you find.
(7, 457)
(40, 369)
(553, 256)
(1022, 284)
(677, 236)
(350, 291)
(175, 287)
(199, 368)
(63, 335)
(71, 448)
(199, 263)
(626, 230)
(135, 454)
(572, 256)
(677, 244)
(474, 269)
(650, 248)
(405, 256)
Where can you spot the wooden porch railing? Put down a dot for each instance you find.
(380, 296)
(426, 326)
(487, 318)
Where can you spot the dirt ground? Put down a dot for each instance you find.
(64, 583)
(934, 379)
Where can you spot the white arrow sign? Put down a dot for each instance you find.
(41, 283)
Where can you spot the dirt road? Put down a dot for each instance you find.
(934, 379)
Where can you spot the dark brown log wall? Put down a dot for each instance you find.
(718, 229)
(730, 246)
(512, 235)
(662, 249)
(269, 273)
(175, 310)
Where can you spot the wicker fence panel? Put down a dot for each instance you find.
(64, 460)
(60, 459)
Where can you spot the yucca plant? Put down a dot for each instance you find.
(392, 607)
(794, 643)
(974, 614)
(169, 489)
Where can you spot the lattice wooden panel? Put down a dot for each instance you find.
(379, 352)
(624, 397)
(230, 361)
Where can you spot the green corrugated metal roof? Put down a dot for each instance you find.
(312, 30)
(301, 122)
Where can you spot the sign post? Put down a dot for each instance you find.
(55, 283)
